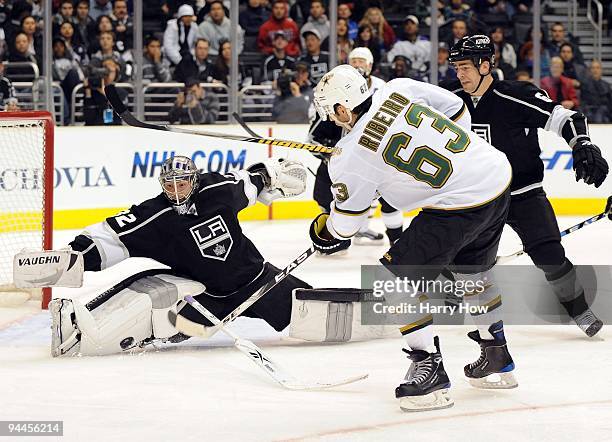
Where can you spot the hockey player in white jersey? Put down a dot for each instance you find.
(402, 146)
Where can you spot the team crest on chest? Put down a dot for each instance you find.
(483, 130)
(213, 238)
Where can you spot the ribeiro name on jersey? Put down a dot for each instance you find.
(414, 156)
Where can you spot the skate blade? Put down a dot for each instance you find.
(592, 329)
(361, 241)
(495, 381)
(339, 254)
(437, 400)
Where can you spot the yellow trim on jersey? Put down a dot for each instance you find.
(407, 328)
(472, 206)
(461, 112)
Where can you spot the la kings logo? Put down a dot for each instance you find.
(213, 238)
(483, 130)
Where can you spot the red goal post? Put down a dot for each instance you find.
(26, 194)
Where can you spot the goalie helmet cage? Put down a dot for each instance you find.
(26, 194)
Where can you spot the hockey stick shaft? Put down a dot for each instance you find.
(131, 120)
(506, 258)
(206, 332)
(263, 361)
(252, 133)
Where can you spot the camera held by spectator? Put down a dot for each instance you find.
(295, 96)
(194, 106)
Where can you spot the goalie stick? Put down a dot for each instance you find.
(206, 332)
(608, 210)
(115, 101)
(255, 354)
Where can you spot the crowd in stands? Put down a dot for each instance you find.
(282, 43)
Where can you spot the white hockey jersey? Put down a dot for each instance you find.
(414, 148)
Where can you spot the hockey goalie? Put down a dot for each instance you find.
(193, 228)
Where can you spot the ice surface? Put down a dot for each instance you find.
(207, 391)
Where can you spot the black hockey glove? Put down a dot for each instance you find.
(322, 245)
(589, 165)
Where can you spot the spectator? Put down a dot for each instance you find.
(65, 13)
(383, 32)
(21, 53)
(8, 100)
(457, 9)
(317, 60)
(106, 41)
(439, 16)
(571, 69)
(446, 71)
(20, 10)
(154, 68)
(526, 60)
(65, 69)
(197, 66)
(345, 11)
(299, 11)
(253, 17)
(279, 21)
(400, 68)
(180, 35)
(100, 7)
(317, 20)
(458, 31)
(28, 26)
(85, 25)
(415, 48)
(365, 39)
(508, 54)
(74, 48)
(596, 96)
(216, 27)
(122, 25)
(344, 45)
(560, 88)
(523, 76)
(194, 106)
(493, 7)
(279, 61)
(221, 67)
(293, 103)
(96, 109)
(103, 24)
(502, 70)
(558, 37)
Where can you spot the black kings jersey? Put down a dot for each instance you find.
(206, 245)
(508, 116)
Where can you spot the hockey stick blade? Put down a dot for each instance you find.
(255, 354)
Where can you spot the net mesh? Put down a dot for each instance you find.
(22, 193)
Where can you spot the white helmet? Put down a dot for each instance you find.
(342, 85)
(365, 54)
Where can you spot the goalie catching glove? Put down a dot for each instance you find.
(48, 268)
(322, 241)
(282, 179)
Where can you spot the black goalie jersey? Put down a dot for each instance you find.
(508, 116)
(206, 245)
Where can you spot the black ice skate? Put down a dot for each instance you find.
(588, 322)
(493, 369)
(426, 386)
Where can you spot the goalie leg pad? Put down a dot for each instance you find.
(334, 315)
(127, 319)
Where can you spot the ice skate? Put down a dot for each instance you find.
(493, 369)
(426, 384)
(588, 322)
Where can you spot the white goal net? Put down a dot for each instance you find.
(26, 194)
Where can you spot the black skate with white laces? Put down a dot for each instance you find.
(493, 369)
(426, 384)
(588, 322)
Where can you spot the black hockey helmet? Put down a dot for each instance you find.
(477, 48)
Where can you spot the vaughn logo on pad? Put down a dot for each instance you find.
(213, 238)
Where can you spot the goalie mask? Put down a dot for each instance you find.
(179, 179)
